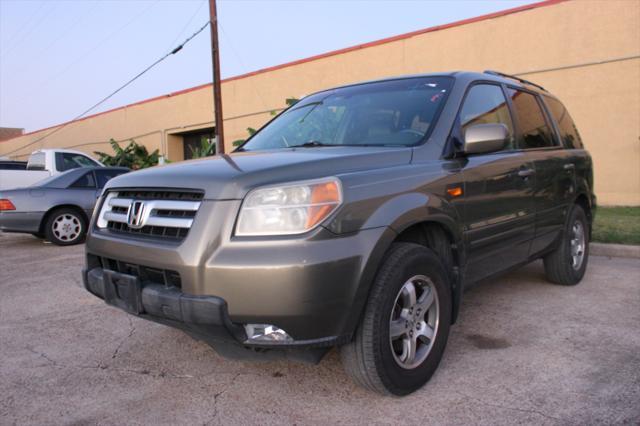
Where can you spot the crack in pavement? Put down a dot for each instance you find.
(504, 407)
(218, 395)
(132, 330)
(100, 366)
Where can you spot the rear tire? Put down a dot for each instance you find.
(568, 263)
(402, 336)
(65, 227)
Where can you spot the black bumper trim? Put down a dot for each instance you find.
(205, 316)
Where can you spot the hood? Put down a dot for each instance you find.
(229, 177)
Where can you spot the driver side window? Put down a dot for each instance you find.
(486, 104)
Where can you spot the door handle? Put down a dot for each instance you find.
(525, 173)
(569, 166)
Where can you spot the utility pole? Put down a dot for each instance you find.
(218, 132)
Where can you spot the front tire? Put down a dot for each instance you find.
(65, 227)
(567, 264)
(402, 336)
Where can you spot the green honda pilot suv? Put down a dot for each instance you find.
(355, 219)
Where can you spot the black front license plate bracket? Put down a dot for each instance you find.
(123, 291)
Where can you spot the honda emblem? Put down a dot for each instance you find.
(135, 215)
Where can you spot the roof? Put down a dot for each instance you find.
(321, 56)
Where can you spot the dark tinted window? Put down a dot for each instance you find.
(12, 165)
(533, 126)
(86, 181)
(104, 176)
(568, 131)
(486, 104)
(68, 160)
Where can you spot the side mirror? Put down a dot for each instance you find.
(484, 138)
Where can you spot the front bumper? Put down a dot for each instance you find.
(204, 316)
(313, 286)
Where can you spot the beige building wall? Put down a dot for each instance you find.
(587, 52)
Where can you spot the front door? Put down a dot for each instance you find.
(499, 215)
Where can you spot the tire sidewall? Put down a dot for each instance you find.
(577, 213)
(50, 235)
(398, 380)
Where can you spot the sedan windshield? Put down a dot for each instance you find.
(388, 113)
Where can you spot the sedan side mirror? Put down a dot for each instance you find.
(484, 138)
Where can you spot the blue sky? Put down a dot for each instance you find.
(57, 58)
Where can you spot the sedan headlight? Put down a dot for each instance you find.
(288, 209)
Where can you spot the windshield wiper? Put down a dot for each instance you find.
(311, 144)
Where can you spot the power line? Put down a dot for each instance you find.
(202, 3)
(29, 31)
(25, 23)
(140, 74)
(93, 49)
(79, 19)
(242, 63)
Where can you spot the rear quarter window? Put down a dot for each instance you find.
(568, 131)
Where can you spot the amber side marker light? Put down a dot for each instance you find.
(455, 192)
(6, 205)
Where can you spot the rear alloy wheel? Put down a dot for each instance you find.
(65, 227)
(403, 333)
(568, 263)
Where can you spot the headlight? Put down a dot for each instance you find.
(288, 209)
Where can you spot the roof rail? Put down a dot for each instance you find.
(521, 80)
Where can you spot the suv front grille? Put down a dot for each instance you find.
(161, 195)
(159, 214)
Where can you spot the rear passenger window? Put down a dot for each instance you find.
(535, 133)
(86, 181)
(568, 131)
(485, 104)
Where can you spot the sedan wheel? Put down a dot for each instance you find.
(65, 227)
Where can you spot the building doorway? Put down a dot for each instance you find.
(193, 141)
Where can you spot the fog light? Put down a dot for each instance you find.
(266, 333)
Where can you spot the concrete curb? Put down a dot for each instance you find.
(614, 250)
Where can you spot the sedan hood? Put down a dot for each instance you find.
(229, 177)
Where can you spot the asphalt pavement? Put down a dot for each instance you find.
(523, 352)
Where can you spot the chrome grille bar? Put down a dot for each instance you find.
(156, 215)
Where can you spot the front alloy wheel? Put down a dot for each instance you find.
(414, 322)
(402, 336)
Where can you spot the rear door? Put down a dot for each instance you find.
(83, 191)
(498, 205)
(554, 168)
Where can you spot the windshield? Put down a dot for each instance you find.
(389, 113)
